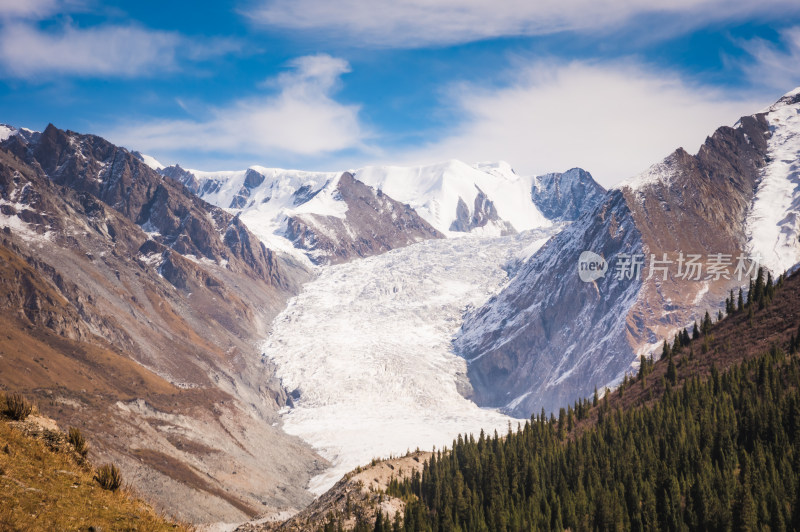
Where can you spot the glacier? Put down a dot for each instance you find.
(367, 345)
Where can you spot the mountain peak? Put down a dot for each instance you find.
(565, 196)
(790, 98)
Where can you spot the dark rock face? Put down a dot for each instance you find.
(483, 213)
(564, 197)
(252, 179)
(91, 165)
(184, 177)
(305, 194)
(549, 338)
(375, 223)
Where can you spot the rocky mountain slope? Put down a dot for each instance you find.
(565, 196)
(550, 337)
(374, 223)
(328, 218)
(131, 309)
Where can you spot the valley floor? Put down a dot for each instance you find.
(367, 345)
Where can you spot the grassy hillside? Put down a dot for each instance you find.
(46, 485)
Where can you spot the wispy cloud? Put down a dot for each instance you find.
(614, 120)
(419, 23)
(29, 9)
(300, 118)
(39, 42)
(126, 51)
(771, 65)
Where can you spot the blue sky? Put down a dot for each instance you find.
(608, 85)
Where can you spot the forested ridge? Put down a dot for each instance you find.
(682, 445)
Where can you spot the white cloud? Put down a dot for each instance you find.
(28, 52)
(773, 66)
(35, 9)
(417, 23)
(301, 119)
(612, 120)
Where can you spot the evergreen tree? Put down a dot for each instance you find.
(706, 324)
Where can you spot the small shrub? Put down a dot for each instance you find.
(78, 441)
(17, 407)
(109, 477)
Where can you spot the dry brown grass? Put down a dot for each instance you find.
(41, 489)
(15, 406)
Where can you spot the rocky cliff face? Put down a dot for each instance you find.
(323, 217)
(538, 341)
(565, 196)
(131, 309)
(482, 214)
(550, 338)
(374, 223)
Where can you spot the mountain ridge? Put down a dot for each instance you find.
(682, 206)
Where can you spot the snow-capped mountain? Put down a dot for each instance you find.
(28, 135)
(327, 217)
(394, 206)
(456, 198)
(549, 338)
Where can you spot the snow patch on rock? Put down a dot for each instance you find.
(773, 223)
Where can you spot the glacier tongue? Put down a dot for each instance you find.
(368, 345)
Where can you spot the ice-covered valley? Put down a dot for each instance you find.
(368, 346)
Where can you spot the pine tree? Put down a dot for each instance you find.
(745, 518)
(758, 289)
(740, 304)
(672, 373)
(706, 326)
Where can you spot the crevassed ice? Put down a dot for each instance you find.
(368, 344)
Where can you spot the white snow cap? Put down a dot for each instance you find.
(151, 162)
(434, 191)
(660, 173)
(7, 131)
